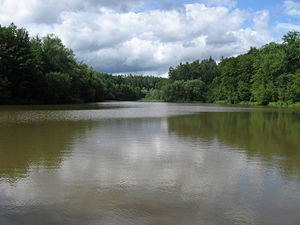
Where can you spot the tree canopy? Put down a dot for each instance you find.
(43, 70)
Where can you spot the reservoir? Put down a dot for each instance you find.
(135, 163)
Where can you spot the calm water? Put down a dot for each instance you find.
(149, 163)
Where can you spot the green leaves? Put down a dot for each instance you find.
(293, 88)
(57, 88)
(185, 91)
(269, 65)
(43, 70)
(268, 74)
(206, 70)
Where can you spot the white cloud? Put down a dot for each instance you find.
(227, 3)
(288, 26)
(149, 41)
(292, 7)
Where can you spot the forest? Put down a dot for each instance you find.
(36, 70)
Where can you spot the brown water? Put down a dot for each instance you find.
(149, 163)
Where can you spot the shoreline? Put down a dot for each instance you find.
(270, 105)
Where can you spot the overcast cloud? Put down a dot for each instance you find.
(143, 36)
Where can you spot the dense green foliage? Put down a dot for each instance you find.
(129, 87)
(43, 70)
(264, 76)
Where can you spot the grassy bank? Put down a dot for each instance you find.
(271, 104)
(274, 104)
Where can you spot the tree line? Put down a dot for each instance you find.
(269, 75)
(43, 71)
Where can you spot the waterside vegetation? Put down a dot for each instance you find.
(43, 71)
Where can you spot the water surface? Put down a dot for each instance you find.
(149, 163)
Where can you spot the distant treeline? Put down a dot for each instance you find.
(267, 76)
(44, 71)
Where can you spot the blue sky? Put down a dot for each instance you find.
(149, 36)
(276, 9)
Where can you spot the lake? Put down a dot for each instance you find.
(133, 163)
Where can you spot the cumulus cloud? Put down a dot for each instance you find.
(117, 37)
(288, 26)
(292, 7)
(39, 11)
(227, 3)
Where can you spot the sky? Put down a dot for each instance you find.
(148, 36)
